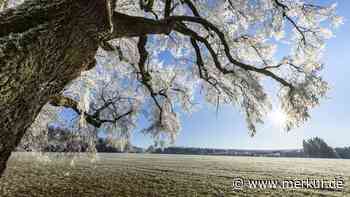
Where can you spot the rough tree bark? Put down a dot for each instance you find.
(44, 44)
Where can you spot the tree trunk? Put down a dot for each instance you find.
(44, 44)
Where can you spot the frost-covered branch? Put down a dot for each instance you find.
(92, 118)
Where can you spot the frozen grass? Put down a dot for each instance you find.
(148, 175)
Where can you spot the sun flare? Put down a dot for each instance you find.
(278, 118)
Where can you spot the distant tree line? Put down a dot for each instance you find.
(343, 152)
(63, 140)
(103, 145)
(313, 148)
(318, 148)
(227, 152)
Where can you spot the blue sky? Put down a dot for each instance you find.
(330, 120)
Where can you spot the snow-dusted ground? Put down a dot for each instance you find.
(150, 175)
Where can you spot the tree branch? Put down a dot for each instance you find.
(222, 38)
(33, 13)
(167, 8)
(294, 24)
(145, 76)
(134, 26)
(93, 119)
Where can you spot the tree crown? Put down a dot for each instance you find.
(223, 51)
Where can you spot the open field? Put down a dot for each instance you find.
(149, 175)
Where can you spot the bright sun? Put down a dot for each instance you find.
(278, 118)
